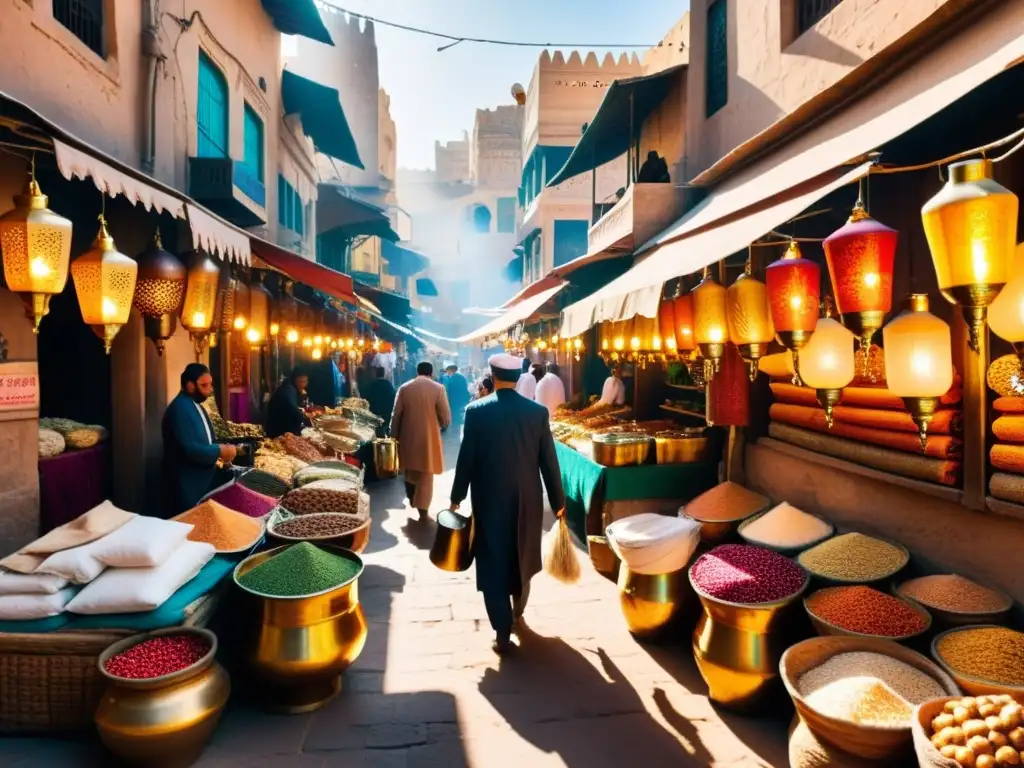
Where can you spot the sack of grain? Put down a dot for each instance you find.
(241, 499)
(278, 464)
(336, 495)
(30, 583)
(51, 443)
(653, 544)
(143, 542)
(78, 564)
(135, 590)
(29, 607)
(808, 751)
(920, 726)
(83, 437)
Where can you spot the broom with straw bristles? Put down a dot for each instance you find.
(561, 560)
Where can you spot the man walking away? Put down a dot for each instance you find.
(421, 412)
(380, 394)
(551, 390)
(190, 454)
(506, 449)
(457, 388)
(527, 383)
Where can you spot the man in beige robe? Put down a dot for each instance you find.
(421, 412)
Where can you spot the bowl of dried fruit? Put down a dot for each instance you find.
(340, 529)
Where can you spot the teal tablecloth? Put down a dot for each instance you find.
(588, 485)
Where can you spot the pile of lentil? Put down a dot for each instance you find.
(158, 656)
(995, 654)
(867, 688)
(982, 732)
(725, 502)
(317, 526)
(948, 592)
(853, 557)
(866, 610)
(302, 569)
(264, 483)
(225, 529)
(786, 526)
(739, 573)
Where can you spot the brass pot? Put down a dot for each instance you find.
(681, 447)
(604, 559)
(452, 549)
(300, 646)
(385, 457)
(621, 449)
(738, 647)
(167, 720)
(654, 605)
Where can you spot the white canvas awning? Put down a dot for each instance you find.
(218, 237)
(516, 314)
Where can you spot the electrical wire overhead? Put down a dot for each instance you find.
(456, 39)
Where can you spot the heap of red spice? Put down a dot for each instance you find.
(867, 611)
(158, 656)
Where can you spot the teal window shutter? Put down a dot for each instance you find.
(212, 110)
(282, 201)
(716, 67)
(506, 214)
(253, 159)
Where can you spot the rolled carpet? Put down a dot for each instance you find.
(937, 446)
(943, 472)
(1007, 487)
(947, 421)
(1009, 404)
(1009, 429)
(863, 397)
(1007, 458)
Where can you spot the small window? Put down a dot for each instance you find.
(212, 110)
(810, 12)
(85, 20)
(716, 65)
(253, 159)
(506, 214)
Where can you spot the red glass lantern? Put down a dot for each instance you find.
(860, 257)
(794, 291)
(682, 313)
(667, 324)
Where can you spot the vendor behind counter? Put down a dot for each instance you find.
(284, 411)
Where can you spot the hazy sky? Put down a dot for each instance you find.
(435, 95)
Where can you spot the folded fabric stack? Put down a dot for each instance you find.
(1007, 453)
(108, 561)
(871, 426)
(653, 544)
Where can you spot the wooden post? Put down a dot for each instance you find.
(976, 423)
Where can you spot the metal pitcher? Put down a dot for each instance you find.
(453, 542)
(385, 457)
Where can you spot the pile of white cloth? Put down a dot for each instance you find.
(653, 544)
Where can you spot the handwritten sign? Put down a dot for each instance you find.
(19, 386)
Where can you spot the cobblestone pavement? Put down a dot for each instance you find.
(428, 690)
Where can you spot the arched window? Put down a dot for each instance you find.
(481, 219)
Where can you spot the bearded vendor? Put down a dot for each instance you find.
(190, 452)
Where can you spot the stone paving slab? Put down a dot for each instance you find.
(428, 691)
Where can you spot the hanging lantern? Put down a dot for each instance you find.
(750, 323)
(667, 321)
(682, 311)
(259, 313)
(711, 323)
(287, 310)
(36, 247)
(918, 361)
(105, 284)
(159, 291)
(241, 303)
(794, 285)
(860, 257)
(827, 361)
(604, 339)
(971, 226)
(224, 311)
(577, 348)
(622, 336)
(1006, 316)
(317, 353)
(200, 299)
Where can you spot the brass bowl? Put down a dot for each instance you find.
(787, 551)
(354, 541)
(949, 619)
(887, 744)
(835, 581)
(974, 686)
(653, 605)
(166, 720)
(605, 561)
(828, 629)
(680, 448)
(300, 646)
(737, 647)
(622, 449)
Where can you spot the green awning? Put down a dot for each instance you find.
(608, 135)
(298, 17)
(323, 119)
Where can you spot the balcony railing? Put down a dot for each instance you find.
(228, 188)
(810, 12)
(85, 20)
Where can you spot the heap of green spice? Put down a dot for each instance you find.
(302, 569)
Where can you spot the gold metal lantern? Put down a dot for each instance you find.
(224, 313)
(240, 316)
(197, 313)
(105, 284)
(259, 313)
(710, 323)
(159, 291)
(971, 226)
(750, 323)
(36, 245)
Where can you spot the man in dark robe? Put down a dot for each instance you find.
(190, 453)
(284, 411)
(380, 394)
(506, 449)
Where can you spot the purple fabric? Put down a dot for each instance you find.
(71, 484)
(244, 500)
(239, 407)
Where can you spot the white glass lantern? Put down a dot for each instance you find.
(827, 363)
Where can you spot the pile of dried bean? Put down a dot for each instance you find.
(321, 526)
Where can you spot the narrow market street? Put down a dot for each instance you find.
(429, 691)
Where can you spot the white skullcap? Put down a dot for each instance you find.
(505, 362)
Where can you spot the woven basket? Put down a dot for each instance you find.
(51, 682)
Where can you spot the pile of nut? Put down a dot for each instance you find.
(319, 526)
(980, 732)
